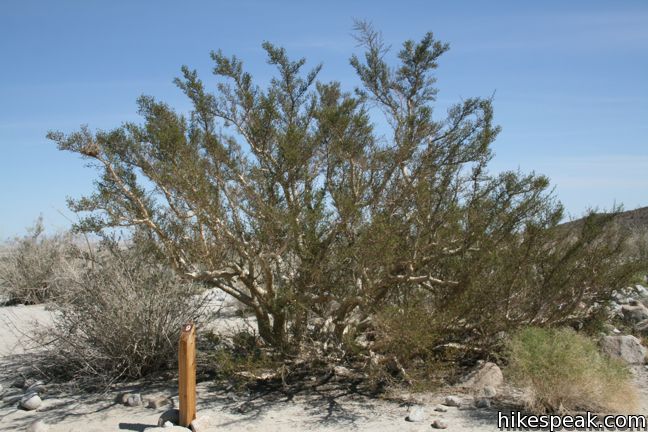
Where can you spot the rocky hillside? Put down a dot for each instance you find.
(636, 220)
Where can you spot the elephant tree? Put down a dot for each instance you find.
(288, 199)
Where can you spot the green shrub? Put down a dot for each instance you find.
(563, 371)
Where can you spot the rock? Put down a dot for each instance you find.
(487, 375)
(122, 398)
(134, 400)
(452, 401)
(416, 414)
(201, 424)
(641, 290)
(171, 415)
(440, 408)
(488, 392)
(483, 403)
(30, 401)
(439, 424)
(38, 426)
(168, 424)
(627, 348)
(635, 313)
(156, 402)
(1, 389)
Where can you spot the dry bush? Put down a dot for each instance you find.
(119, 316)
(28, 264)
(563, 371)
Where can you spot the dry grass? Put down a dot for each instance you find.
(563, 371)
(28, 264)
(118, 317)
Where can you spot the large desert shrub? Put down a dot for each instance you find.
(288, 198)
(28, 265)
(562, 370)
(119, 316)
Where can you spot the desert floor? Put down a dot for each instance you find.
(327, 409)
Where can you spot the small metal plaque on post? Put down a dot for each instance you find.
(187, 374)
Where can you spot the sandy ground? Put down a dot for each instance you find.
(330, 409)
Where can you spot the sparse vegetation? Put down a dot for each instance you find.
(28, 265)
(119, 317)
(563, 371)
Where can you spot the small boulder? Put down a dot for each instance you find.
(439, 424)
(627, 348)
(452, 401)
(416, 414)
(30, 401)
(488, 374)
(38, 426)
(634, 313)
(156, 402)
(201, 424)
(134, 400)
(440, 408)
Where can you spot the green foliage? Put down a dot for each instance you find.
(288, 199)
(564, 371)
(407, 338)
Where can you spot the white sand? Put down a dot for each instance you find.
(326, 411)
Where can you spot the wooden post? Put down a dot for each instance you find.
(187, 374)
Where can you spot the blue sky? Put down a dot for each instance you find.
(570, 80)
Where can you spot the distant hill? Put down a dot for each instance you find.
(636, 220)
